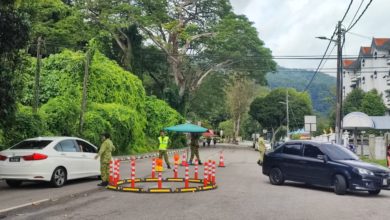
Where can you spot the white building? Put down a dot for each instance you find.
(371, 70)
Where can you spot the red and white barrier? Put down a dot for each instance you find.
(133, 173)
(213, 173)
(221, 160)
(205, 178)
(111, 172)
(175, 171)
(117, 175)
(187, 177)
(210, 170)
(159, 183)
(196, 169)
(154, 168)
(184, 159)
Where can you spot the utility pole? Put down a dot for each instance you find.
(37, 75)
(85, 90)
(339, 86)
(288, 130)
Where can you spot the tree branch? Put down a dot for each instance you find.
(186, 46)
(200, 80)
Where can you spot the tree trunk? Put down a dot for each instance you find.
(274, 132)
(85, 92)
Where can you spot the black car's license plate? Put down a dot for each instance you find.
(14, 159)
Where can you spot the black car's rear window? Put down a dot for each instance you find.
(31, 144)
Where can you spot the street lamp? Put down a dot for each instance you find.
(339, 86)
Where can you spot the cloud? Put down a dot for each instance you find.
(289, 27)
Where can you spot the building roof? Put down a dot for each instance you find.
(365, 50)
(381, 122)
(348, 64)
(380, 41)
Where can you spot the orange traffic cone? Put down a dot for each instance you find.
(176, 158)
(221, 162)
(159, 165)
(184, 159)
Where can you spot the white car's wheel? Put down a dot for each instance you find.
(58, 179)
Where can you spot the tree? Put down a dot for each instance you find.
(202, 37)
(239, 96)
(208, 102)
(353, 101)
(14, 34)
(270, 111)
(372, 104)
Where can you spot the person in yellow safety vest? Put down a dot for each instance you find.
(261, 150)
(162, 149)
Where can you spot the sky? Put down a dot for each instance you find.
(290, 27)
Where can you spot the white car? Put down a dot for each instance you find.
(51, 159)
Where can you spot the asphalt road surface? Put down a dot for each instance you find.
(242, 193)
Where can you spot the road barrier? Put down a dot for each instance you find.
(184, 159)
(207, 183)
(196, 169)
(153, 168)
(133, 173)
(221, 160)
(206, 175)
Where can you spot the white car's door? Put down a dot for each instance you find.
(90, 164)
(72, 158)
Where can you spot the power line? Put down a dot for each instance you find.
(354, 16)
(346, 12)
(365, 9)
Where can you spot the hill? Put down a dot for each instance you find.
(321, 90)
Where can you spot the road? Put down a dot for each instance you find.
(242, 193)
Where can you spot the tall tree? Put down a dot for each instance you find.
(238, 98)
(270, 111)
(202, 37)
(14, 34)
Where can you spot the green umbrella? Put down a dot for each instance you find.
(191, 128)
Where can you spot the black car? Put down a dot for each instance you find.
(324, 164)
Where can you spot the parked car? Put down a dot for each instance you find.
(324, 164)
(51, 159)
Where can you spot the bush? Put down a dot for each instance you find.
(26, 125)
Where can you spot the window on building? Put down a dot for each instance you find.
(375, 74)
(363, 62)
(375, 55)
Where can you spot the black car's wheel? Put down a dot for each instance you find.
(276, 176)
(340, 185)
(14, 183)
(374, 192)
(58, 179)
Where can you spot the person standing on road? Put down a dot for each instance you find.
(105, 154)
(261, 150)
(162, 149)
(194, 148)
(388, 156)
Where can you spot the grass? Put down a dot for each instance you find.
(380, 162)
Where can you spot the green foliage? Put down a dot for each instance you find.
(250, 126)
(270, 111)
(14, 33)
(353, 101)
(161, 115)
(321, 90)
(61, 115)
(26, 125)
(227, 127)
(372, 104)
(208, 102)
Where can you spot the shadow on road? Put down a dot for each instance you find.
(303, 186)
(43, 185)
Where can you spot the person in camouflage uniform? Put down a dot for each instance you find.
(105, 154)
(194, 147)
